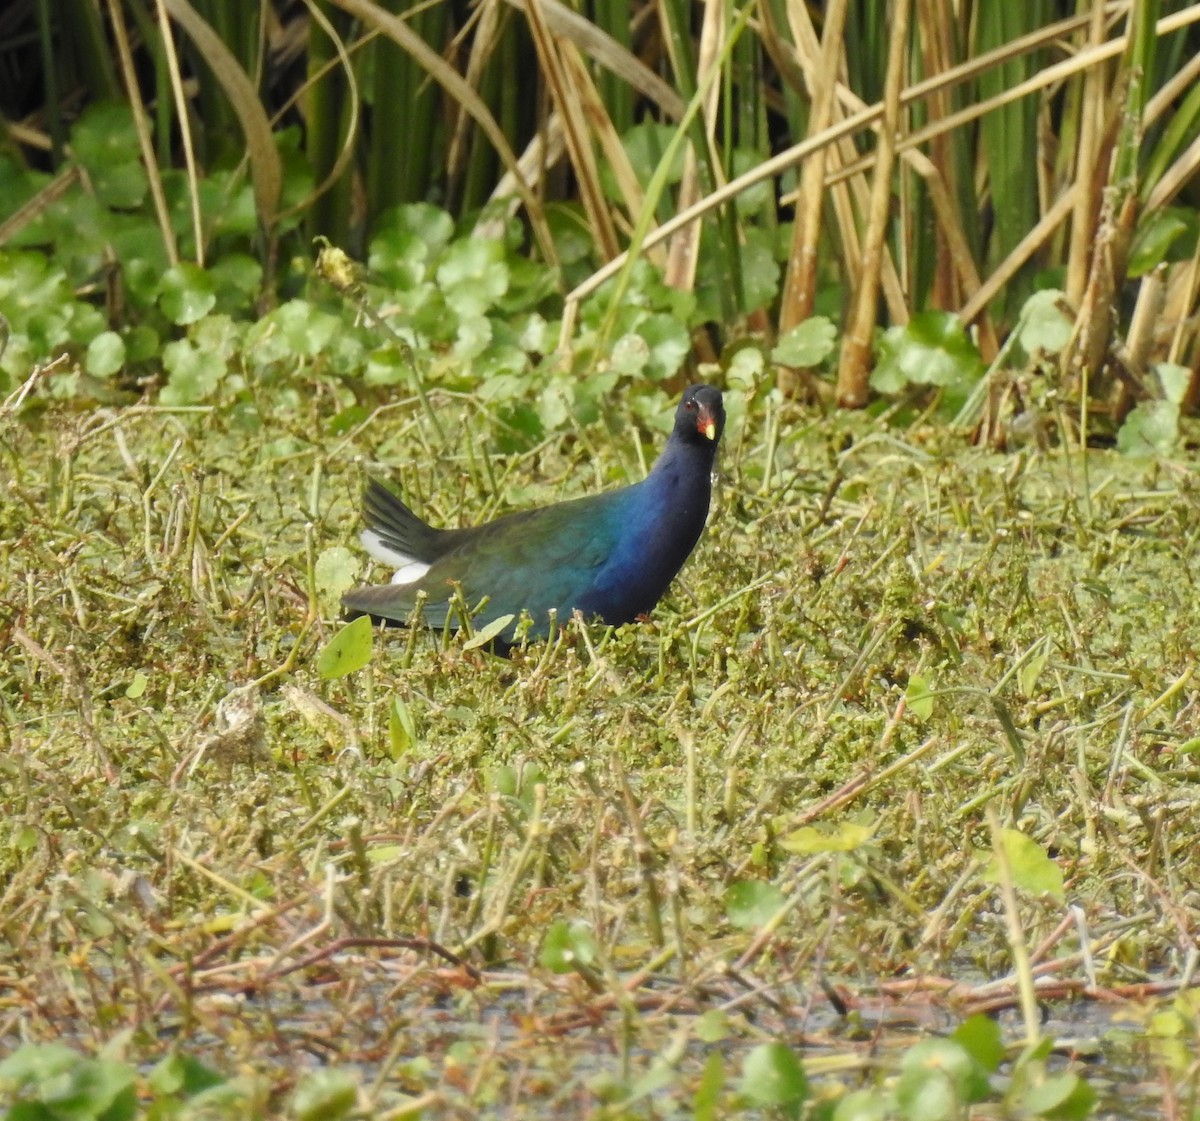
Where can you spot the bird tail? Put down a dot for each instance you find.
(393, 534)
(384, 605)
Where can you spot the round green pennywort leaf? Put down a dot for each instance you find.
(188, 293)
(192, 372)
(335, 572)
(772, 1075)
(807, 344)
(473, 275)
(751, 903)
(931, 349)
(105, 354)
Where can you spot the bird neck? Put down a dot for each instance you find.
(655, 525)
(687, 462)
(680, 487)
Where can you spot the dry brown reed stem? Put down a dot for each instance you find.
(684, 252)
(579, 81)
(484, 41)
(606, 52)
(800, 279)
(142, 125)
(1135, 355)
(855, 364)
(575, 131)
(849, 195)
(171, 58)
(1087, 196)
(797, 153)
(938, 180)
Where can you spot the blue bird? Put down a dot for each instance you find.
(609, 556)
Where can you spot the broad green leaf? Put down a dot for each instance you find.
(569, 229)
(530, 284)
(1154, 239)
(193, 373)
(302, 329)
(1062, 1097)
(187, 293)
(629, 355)
(927, 1095)
(350, 417)
(229, 205)
(141, 343)
(752, 903)
(761, 194)
(382, 854)
(713, 1026)
(759, 269)
(1152, 428)
(502, 387)
(918, 698)
(387, 365)
(862, 1105)
(567, 946)
(473, 275)
(1045, 325)
(325, 1095)
(1174, 379)
(773, 1076)
(535, 335)
(808, 840)
(660, 1075)
(105, 142)
(937, 1078)
(137, 686)
(1031, 670)
(218, 332)
(502, 361)
(669, 343)
(746, 366)
(807, 344)
(485, 634)
(503, 780)
(980, 1037)
(399, 259)
(1032, 870)
(335, 572)
(105, 354)
(237, 277)
(429, 224)
(933, 348)
(66, 1084)
(644, 146)
(472, 338)
(402, 728)
(181, 1074)
(32, 1063)
(348, 650)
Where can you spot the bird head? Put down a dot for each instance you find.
(701, 413)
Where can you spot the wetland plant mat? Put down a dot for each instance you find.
(889, 809)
